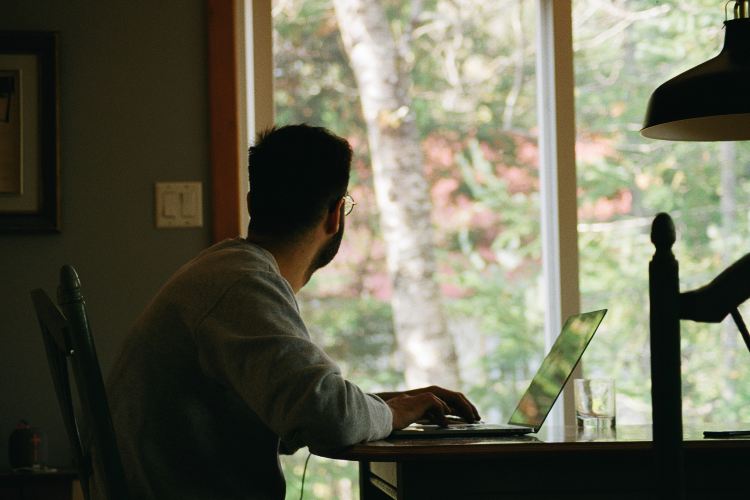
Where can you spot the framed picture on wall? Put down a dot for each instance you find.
(29, 132)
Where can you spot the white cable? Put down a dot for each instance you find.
(304, 472)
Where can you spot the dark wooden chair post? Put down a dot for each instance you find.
(91, 385)
(666, 385)
(67, 338)
(56, 344)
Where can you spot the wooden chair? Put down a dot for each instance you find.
(668, 306)
(666, 377)
(67, 338)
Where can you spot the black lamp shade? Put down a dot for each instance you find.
(710, 102)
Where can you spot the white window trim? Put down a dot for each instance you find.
(557, 165)
(258, 76)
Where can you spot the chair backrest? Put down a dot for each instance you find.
(67, 339)
(667, 306)
(666, 394)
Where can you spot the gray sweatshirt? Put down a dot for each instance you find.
(216, 371)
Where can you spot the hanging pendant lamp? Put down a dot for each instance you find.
(710, 102)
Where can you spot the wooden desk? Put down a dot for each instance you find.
(556, 463)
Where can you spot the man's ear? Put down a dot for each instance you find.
(333, 218)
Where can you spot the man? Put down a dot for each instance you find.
(220, 371)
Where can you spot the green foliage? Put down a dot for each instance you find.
(312, 79)
(325, 478)
(358, 334)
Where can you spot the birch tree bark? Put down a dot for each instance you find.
(401, 191)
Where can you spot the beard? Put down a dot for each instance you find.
(326, 254)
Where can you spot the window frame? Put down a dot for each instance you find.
(558, 183)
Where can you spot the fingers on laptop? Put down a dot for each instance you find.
(466, 409)
(435, 408)
(459, 404)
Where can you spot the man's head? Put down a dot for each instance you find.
(298, 174)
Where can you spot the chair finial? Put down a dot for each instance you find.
(662, 232)
(70, 285)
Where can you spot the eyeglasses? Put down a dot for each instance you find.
(348, 204)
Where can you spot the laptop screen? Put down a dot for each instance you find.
(556, 368)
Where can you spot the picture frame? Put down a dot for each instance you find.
(29, 132)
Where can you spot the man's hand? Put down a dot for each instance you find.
(407, 409)
(432, 403)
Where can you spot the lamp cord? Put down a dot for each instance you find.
(304, 472)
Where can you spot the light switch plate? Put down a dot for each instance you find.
(179, 204)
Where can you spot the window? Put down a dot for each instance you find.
(459, 82)
(623, 49)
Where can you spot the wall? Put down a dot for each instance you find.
(133, 111)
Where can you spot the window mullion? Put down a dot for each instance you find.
(555, 105)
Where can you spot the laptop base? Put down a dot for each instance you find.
(460, 430)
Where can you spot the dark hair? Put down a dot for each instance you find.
(297, 173)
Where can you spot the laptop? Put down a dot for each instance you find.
(545, 387)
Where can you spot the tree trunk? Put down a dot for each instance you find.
(402, 193)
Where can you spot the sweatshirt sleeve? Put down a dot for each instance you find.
(255, 342)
